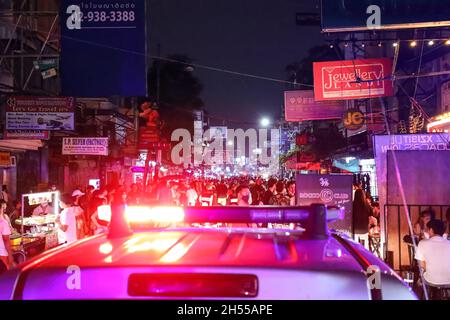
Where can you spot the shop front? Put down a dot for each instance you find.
(22, 166)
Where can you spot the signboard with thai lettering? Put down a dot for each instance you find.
(301, 106)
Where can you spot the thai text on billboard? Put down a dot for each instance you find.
(301, 106)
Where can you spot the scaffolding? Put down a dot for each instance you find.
(29, 36)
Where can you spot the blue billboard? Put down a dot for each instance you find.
(103, 48)
(353, 15)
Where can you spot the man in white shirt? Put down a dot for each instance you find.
(433, 254)
(191, 195)
(67, 221)
(6, 260)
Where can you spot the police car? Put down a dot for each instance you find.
(209, 253)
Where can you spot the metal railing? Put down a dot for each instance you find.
(396, 227)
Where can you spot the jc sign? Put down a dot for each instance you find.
(353, 119)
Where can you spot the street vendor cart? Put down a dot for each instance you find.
(37, 233)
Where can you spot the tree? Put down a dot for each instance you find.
(302, 71)
(326, 134)
(175, 88)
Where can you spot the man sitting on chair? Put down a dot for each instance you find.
(433, 254)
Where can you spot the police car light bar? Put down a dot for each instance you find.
(314, 218)
(257, 214)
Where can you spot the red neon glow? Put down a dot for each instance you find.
(156, 214)
(104, 213)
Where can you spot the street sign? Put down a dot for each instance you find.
(50, 73)
(45, 64)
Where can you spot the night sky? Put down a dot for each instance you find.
(250, 36)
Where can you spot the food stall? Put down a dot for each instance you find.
(37, 233)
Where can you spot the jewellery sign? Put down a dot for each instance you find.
(352, 79)
(85, 146)
(40, 113)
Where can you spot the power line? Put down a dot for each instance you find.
(197, 65)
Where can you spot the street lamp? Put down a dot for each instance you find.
(265, 122)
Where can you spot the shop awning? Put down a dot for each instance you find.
(21, 145)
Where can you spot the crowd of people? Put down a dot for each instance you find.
(366, 215)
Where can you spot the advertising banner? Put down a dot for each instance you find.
(331, 190)
(354, 15)
(103, 48)
(353, 119)
(39, 198)
(406, 142)
(85, 146)
(301, 106)
(352, 79)
(26, 135)
(40, 113)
